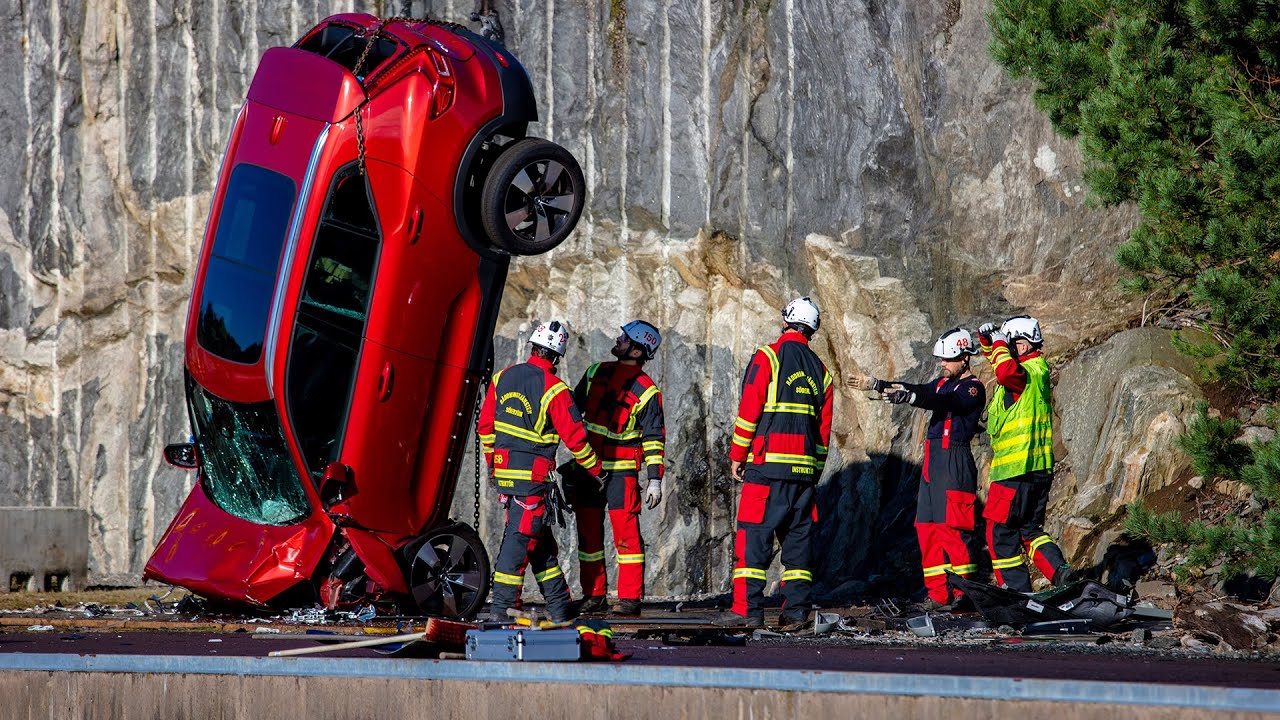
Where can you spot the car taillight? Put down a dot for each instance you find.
(442, 88)
(277, 128)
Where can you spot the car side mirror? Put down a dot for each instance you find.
(336, 484)
(182, 455)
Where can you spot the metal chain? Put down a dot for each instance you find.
(364, 55)
(484, 382)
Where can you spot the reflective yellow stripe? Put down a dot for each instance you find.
(937, 570)
(545, 402)
(488, 438)
(619, 464)
(791, 409)
(1038, 542)
(510, 474)
(822, 449)
(748, 426)
(583, 630)
(584, 452)
(797, 575)
(826, 382)
(523, 434)
(653, 460)
(631, 559)
(749, 573)
(605, 432)
(963, 569)
(505, 579)
(1046, 453)
(786, 459)
(645, 397)
(772, 399)
(653, 445)
(549, 573)
(1006, 563)
(591, 557)
(741, 441)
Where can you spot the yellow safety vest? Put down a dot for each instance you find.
(1022, 434)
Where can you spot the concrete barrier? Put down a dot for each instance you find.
(118, 687)
(43, 549)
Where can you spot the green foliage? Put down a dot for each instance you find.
(1176, 106)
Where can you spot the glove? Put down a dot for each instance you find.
(899, 395)
(984, 332)
(653, 493)
(866, 382)
(997, 335)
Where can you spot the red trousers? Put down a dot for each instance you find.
(621, 495)
(945, 514)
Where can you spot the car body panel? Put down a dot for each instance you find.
(377, 334)
(210, 552)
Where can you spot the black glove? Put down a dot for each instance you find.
(898, 397)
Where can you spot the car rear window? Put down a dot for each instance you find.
(241, 273)
(340, 44)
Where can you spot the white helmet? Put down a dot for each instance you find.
(550, 335)
(644, 335)
(954, 344)
(1023, 326)
(803, 311)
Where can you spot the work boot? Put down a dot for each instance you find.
(591, 604)
(1064, 575)
(730, 618)
(931, 605)
(793, 619)
(627, 607)
(498, 615)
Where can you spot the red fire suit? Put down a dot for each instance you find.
(622, 411)
(945, 516)
(781, 434)
(527, 411)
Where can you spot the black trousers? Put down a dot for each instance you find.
(769, 509)
(527, 540)
(1015, 524)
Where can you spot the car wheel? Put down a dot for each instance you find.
(449, 572)
(533, 197)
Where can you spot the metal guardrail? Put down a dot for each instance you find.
(988, 688)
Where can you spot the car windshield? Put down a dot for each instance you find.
(241, 275)
(247, 469)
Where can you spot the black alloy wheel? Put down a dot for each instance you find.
(533, 197)
(449, 572)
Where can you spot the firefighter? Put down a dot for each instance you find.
(778, 452)
(1020, 423)
(622, 411)
(527, 412)
(945, 515)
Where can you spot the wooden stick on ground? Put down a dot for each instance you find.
(372, 642)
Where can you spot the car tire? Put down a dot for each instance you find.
(533, 197)
(449, 572)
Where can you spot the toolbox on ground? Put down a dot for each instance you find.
(523, 644)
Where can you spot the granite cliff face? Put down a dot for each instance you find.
(737, 154)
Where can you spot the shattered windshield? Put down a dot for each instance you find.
(247, 468)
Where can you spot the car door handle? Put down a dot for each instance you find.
(385, 381)
(415, 225)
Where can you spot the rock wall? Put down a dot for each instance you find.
(737, 154)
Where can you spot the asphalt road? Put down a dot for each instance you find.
(847, 655)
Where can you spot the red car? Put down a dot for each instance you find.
(375, 185)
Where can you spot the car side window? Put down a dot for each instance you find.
(332, 309)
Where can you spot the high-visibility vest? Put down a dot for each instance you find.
(525, 441)
(1022, 434)
(788, 437)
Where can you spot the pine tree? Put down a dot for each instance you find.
(1176, 106)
